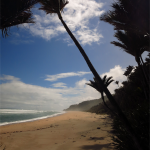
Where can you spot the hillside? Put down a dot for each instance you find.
(84, 106)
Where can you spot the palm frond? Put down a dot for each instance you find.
(122, 46)
(97, 86)
(109, 82)
(52, 6)
(129, 15)
(104, 78)
(90, 85)
(14, 13)
(131, 42)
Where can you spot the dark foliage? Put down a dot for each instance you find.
(14, 13)
(96, 85)
(128, 70)
(129, 15)
(132, 43)
(51, 6)
(139, 118)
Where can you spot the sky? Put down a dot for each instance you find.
(42, 69)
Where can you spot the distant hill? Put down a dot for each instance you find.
(85, 106)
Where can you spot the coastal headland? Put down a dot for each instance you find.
(70, 131)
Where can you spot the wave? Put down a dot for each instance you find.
(17, 111)
(37, 115)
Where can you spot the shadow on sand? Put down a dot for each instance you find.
(96, 138)
(96, 147)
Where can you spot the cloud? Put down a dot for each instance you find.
(77, 15)
(117, 74)
(59, 84)
(8, 77)
(17, 94)
(65, 75)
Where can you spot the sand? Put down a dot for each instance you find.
(69, 131)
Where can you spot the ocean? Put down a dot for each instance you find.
(10, 116)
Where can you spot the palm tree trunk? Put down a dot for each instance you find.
(145, 93)
(144, 69)
(110, 97)
(107, 105)
(146, 85)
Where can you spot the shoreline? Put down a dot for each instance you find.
(71, 130)
(30, 120)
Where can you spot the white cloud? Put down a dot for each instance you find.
(77, 15)
(8, 77)
(17, 94)
(81, 83)
(117, 74)
(65, 75)
(59, 84)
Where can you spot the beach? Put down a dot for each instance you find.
(70, 131)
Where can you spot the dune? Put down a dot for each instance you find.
(70, 131)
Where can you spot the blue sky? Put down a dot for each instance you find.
(42, 69)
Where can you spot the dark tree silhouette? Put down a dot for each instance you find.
(134, 45)
(14, 13)
(132, 16)
(129, 15)
(97, 86)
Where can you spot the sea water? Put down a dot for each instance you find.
(10, 116)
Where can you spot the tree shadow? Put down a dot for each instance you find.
(96, 147)
(96, 138)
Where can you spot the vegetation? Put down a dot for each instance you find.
(85, 105)
(15, 13)
(97, 86)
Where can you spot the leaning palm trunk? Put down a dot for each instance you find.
(110, 97)
(145, 80)
(106, 81)
(145, 70)
(107, 105)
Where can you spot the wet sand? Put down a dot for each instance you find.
(69, 131)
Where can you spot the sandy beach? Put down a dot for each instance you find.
(69, 131)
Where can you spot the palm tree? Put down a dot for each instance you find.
(133, 44)
(14, 13)
(95, 85)
(56, 6)
(129, 15)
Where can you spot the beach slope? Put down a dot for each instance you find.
(69, 131)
